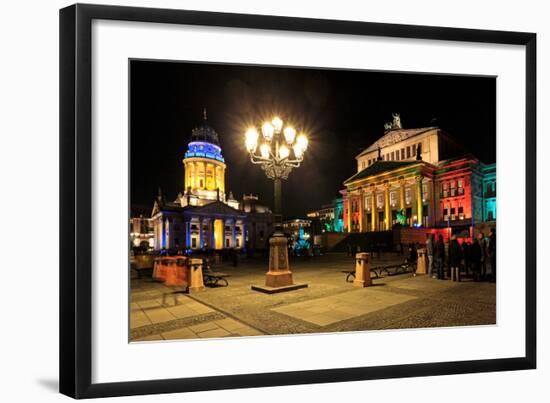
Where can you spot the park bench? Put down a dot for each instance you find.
(213, 278)
(392, 270)
(350, 274)
(389, 270)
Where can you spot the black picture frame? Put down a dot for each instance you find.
(76, 200)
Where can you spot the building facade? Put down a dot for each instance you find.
(418, 178)
(329, 218)
(142, 233)
(204, 216)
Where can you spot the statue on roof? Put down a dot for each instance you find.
(395, 124)
(396, 121)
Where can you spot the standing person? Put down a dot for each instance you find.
(483, 261)
(466, 257)
(475, 255)
(493, 253)
(439, 251)
(455, 257)
(430, 252)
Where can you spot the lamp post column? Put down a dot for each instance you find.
(276, 160)
(277, 191)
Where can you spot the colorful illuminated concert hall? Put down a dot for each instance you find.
(420, 178)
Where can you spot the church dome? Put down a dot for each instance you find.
(205, 133)
(204, 142)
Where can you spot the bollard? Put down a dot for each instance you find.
(362, 270)
(196, 282)
(421, 263)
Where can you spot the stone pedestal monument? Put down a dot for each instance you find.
(196, 282)
(362, 270)
(279, 277)
(421, 266)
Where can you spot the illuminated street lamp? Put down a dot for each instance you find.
(279, 151)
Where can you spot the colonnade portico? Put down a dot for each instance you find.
(215, 233)
(372, 203)
(201, 174)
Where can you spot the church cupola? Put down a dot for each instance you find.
(204, 163)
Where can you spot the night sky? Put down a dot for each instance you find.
(342, 112)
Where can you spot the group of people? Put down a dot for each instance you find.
(454, 258)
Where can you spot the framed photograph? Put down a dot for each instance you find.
(252, 201)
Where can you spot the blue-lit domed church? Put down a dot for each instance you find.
(203, 215)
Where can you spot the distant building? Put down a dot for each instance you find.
(204, 215)
(297, 228)
(418, 178)
(329, 218)
(142, 233)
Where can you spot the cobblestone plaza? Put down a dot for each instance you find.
(328, 304)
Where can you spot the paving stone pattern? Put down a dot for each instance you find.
(329, 304)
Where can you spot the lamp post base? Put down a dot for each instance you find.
(275, 290)
(279, 276)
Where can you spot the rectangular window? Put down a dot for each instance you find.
(397, 155)
(413, 150)
(380, 200)
(402, 153)
(237, 243)
(408, 195)
(393, 198)
(408, 152)
(367, 202)
(392, 155)
(193, 242)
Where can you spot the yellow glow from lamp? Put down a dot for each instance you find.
(251, 139)
(284, 152)
(267, 131)
(290, 134)
(302, 142)
(277, 124)
(264, 150)
(298, 152)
